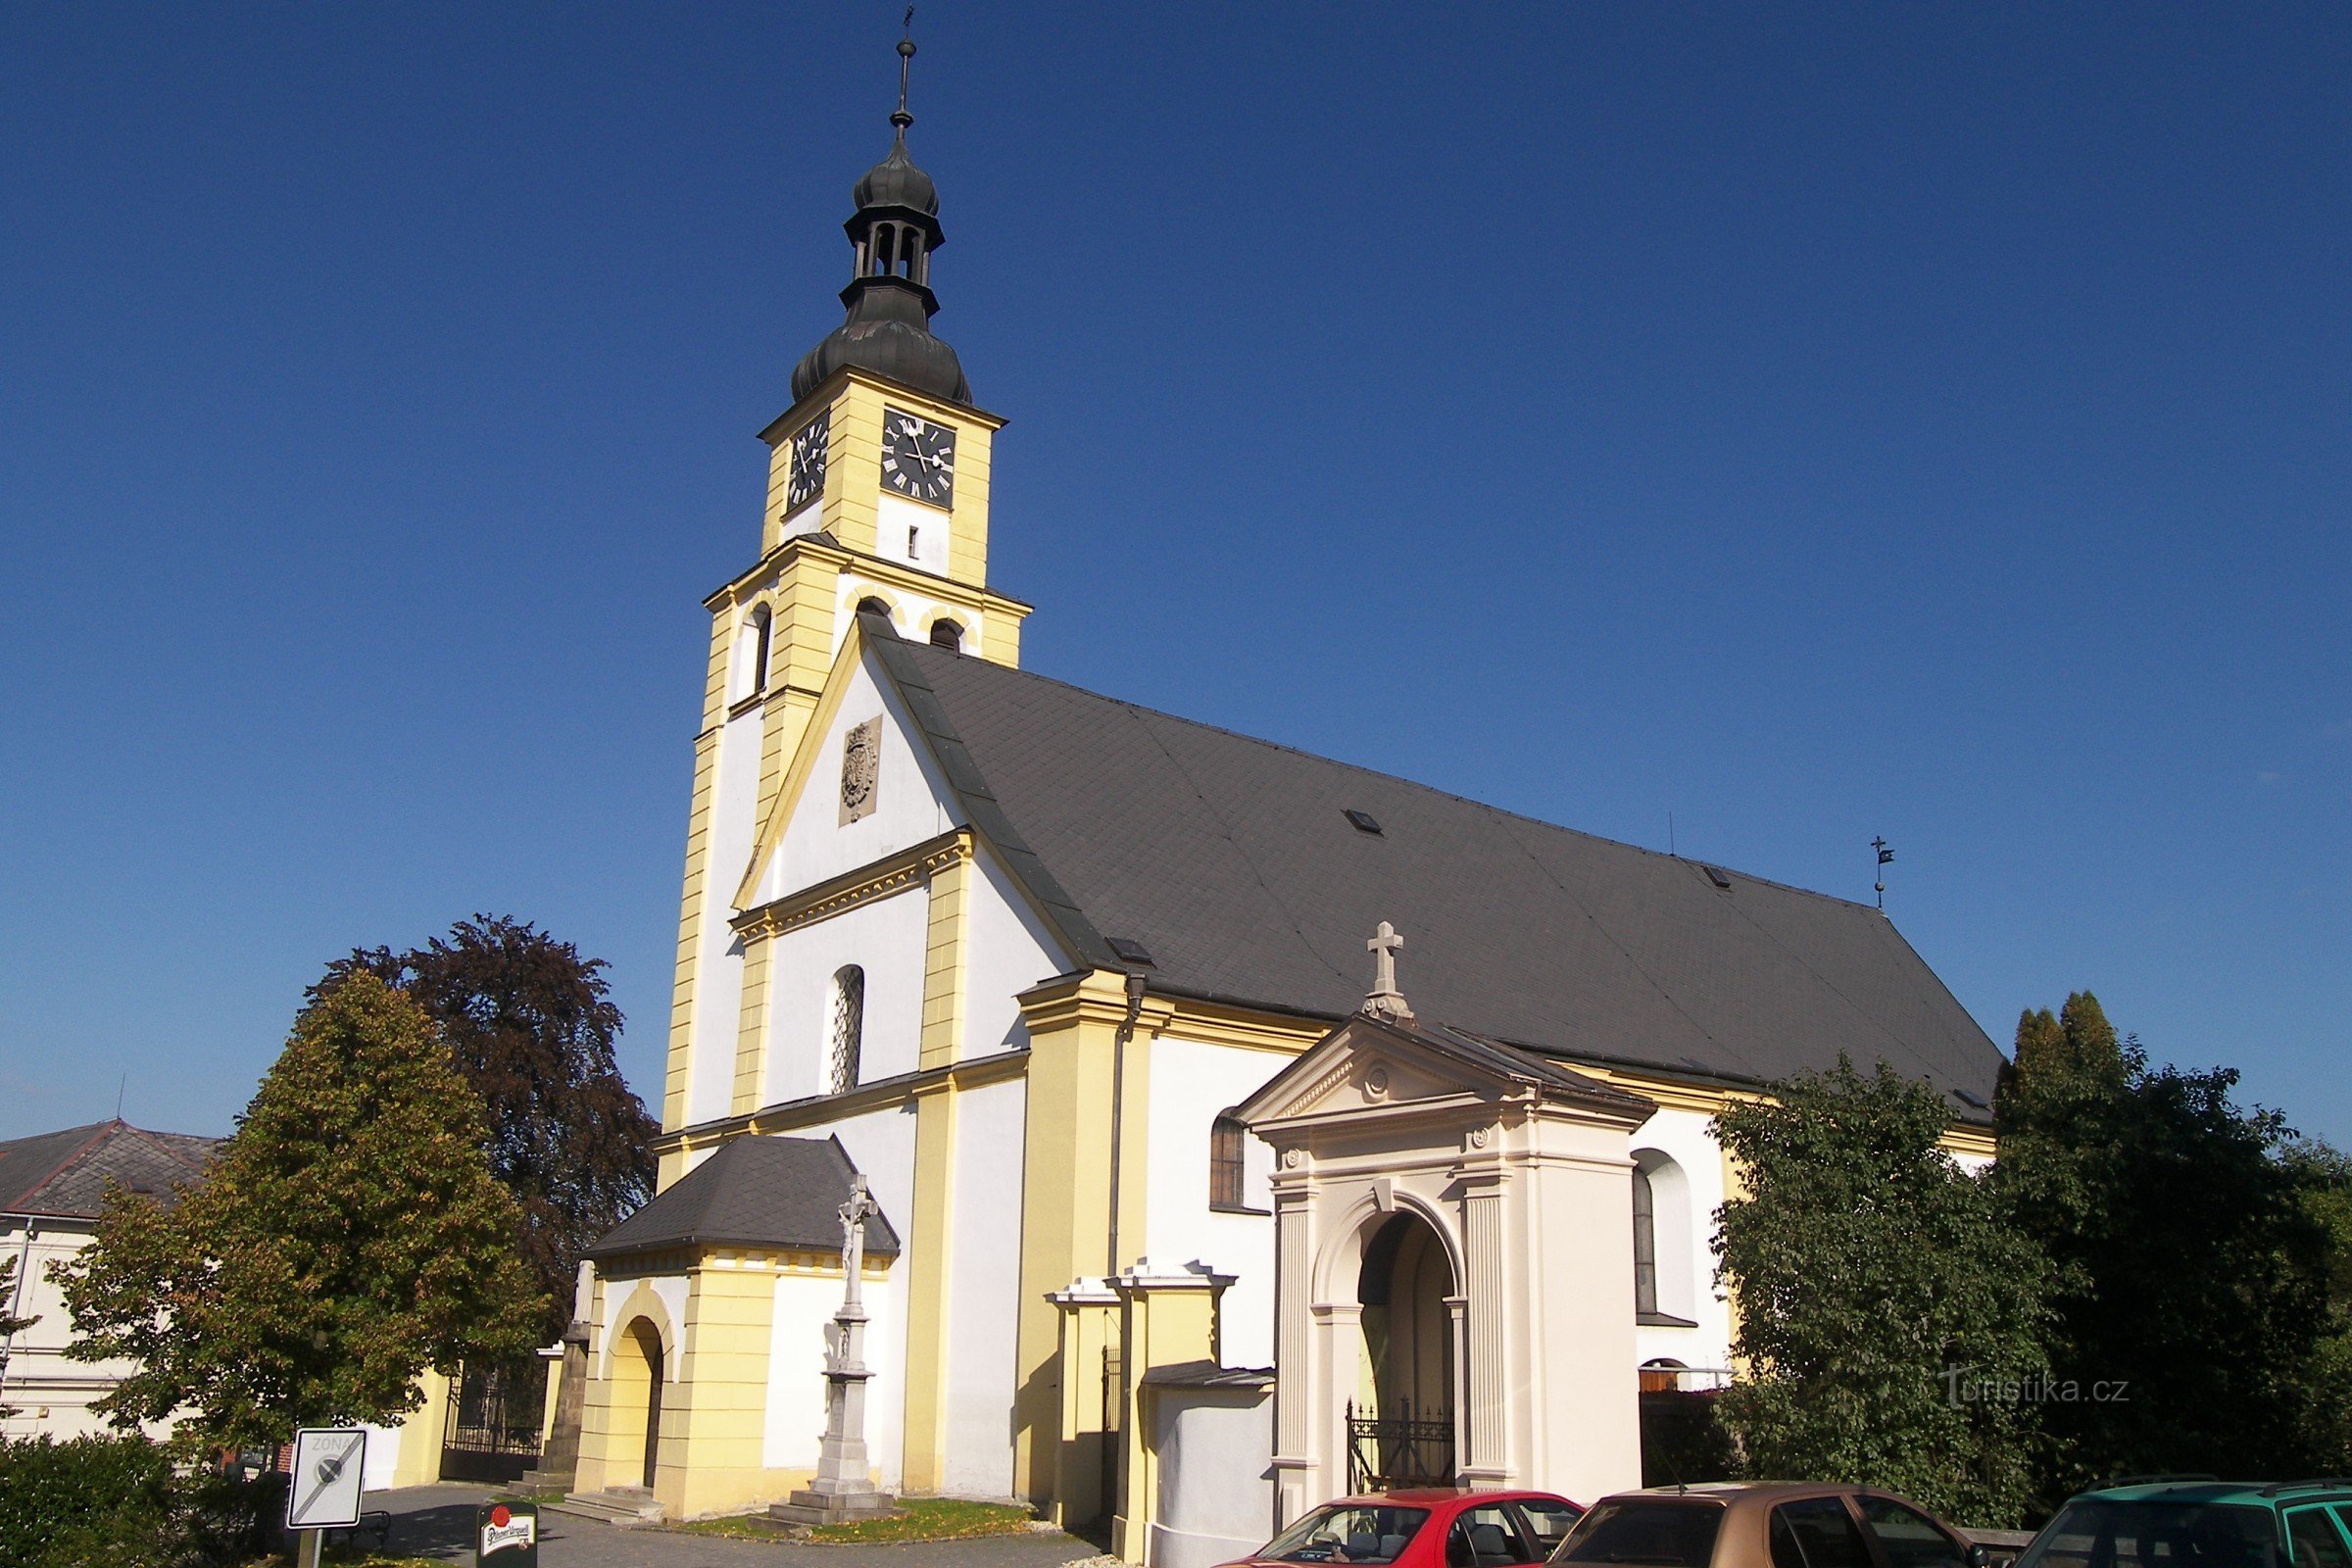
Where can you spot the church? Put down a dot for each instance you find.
(1247, 1128)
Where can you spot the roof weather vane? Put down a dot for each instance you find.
(1886, 857)
(902, 119)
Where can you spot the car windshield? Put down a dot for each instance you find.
(1660, 1535)
(1348, 1532)
(2104, 1533)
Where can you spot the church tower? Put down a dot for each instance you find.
(877, 500)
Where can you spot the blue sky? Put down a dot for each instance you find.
(1812, 422)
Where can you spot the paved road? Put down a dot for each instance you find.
(438, 1522)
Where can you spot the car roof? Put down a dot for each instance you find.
(1431, 1496)
(2206, 1490)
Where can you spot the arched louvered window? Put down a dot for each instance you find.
(763, 626)
(849, 1028)
(1227, 1170)
(947, 634)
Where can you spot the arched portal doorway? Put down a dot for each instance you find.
(637, 1396)
(1401, 1420)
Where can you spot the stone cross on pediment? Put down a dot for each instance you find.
(1385, 999)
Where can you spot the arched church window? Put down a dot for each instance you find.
(947, 634)
(849, 1027)
(871, 606)
(763, 623)
(1227, 1168)
(1646, 1245)
(747, 669)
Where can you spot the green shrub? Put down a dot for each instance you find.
(88, 1500)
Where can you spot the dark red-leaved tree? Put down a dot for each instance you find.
(527, 1019)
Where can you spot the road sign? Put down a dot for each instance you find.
(505, 1535)
(327, 1466)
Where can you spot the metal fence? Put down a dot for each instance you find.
(1399, 1450)
(494, 1422)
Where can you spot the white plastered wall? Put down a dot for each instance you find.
(1684, 1200)
(983, 1299)
(805, 1305)
(1192, 1082)
(911, 533)
(1009, 951)
(886, 938)
(912, 801)
(719, 968)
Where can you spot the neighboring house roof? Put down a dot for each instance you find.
(65, 1174)
(1232, 863)
(773, 1192)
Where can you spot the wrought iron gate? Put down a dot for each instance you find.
(494, 1422)
(1399, 1450)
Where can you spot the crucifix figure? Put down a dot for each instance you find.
(842, 1488)
(1386, 1000)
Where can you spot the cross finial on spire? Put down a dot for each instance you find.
(1386, 1000)
(900, 117)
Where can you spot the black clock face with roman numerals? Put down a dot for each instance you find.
(919, 457)
(807, 463)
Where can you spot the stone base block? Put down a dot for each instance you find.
(833, 1508)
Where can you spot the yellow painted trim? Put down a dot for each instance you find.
(931, 859)
(945, 950)
(751, 1033)
(793, 1115)
(803, 763)
(923, 1457)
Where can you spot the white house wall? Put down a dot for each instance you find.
(983, 1299)
(886, 938)
(911, 799)
(1192, 1084)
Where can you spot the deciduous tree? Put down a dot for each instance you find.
(530, 1026)
(1886, 1312)
(2191, 1266)
(347, 1236)
(10, 1326)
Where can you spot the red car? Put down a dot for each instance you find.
(1430, 1528)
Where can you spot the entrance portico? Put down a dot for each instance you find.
(1455, 1264)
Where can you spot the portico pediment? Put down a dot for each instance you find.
(1373, 1063)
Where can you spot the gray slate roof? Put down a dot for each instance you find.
(757, 1192)
(1230, 859)
(65, 1173)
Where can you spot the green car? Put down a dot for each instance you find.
(2198, 1522)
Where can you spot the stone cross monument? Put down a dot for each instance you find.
(841, 1489)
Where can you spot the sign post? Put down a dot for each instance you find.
(505, 1535)
(328, 1465)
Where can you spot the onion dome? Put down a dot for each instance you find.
(892, 236)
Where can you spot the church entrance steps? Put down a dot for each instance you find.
(625, 1506)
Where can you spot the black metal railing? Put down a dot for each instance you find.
(494, 1420)
(1399, 1450)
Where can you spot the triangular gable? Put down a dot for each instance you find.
(946, 759)
(1371, 1062)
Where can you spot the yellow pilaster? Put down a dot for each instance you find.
(943, 962)
(1069, 1175)
(927, 1262)
(1164, 1320)
(711, 1446)
(751, 1031)
(1086, 1352)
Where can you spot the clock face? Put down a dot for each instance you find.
(919, 457)
(808, 462)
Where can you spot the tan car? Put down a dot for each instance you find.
(1765, 1524)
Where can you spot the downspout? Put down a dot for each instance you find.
(1118, 1094)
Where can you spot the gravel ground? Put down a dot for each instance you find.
(438, 1522)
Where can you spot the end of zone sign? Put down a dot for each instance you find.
(329, 1462)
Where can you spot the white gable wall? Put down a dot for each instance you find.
(912, 801)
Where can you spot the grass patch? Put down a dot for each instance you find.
(917, 1519)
